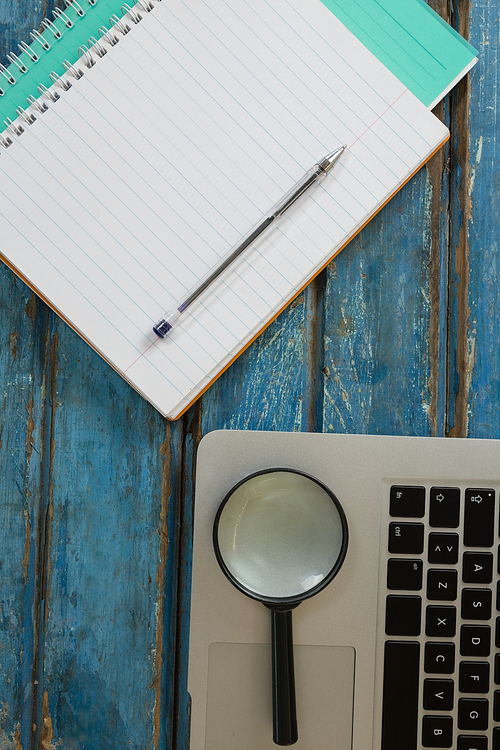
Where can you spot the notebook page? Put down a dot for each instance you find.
(171, 148)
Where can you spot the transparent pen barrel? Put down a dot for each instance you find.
(292, 199)
(296, 195)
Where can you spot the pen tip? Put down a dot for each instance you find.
(332, 158)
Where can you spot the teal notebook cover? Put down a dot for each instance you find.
(411, 40)
(407, 36)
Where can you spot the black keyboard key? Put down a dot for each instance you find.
(496, 706)
(401, 673)
(498, 596)
(442, 585)
(404, 574)
(477, 567)
(470, 742)
(443, 548)
(440, 621)
(474, 677)
(476, 604)
(406, 538)
(475, 640)
(479, 515)
(438, 695)
(496, 738)
(496, 676)
(407, 501)
(439, 658)
(497, 632)
(402, 615)
(444, 507)
(473, 714)
(437, 731)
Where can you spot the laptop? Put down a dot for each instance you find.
(401, 650)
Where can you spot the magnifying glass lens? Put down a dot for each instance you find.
(280, 535)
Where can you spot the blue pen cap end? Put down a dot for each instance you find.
(162, 328)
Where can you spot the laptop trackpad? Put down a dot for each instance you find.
(239, 707)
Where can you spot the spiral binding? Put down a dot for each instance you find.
(86, 52)
(14, 59)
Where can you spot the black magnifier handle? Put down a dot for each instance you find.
(284, 707)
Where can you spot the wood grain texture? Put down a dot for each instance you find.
(477, 235)
(398, 335)
(377, 323)
(109, 560)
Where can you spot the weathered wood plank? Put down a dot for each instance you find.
(111, 559)
(24, 368)
(474, 320)
(377, 361)
(269, 386)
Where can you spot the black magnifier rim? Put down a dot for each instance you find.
(291, 601)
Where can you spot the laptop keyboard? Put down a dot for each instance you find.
(442, 624)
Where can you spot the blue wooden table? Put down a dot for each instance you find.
(399, 335)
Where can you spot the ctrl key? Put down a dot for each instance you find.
(406, 538)
(437, 731)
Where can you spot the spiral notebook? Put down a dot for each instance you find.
(141, 166)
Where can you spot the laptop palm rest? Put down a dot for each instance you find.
(239, 707)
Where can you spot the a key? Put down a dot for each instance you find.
(477, 567)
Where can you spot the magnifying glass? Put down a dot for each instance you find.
(280, 536)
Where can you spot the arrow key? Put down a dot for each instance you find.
(443, 548)
(438, 695)
(445, 507)
(479, 515)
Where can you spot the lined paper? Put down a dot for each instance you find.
(169, 149)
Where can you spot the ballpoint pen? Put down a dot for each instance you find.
(311, 178)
